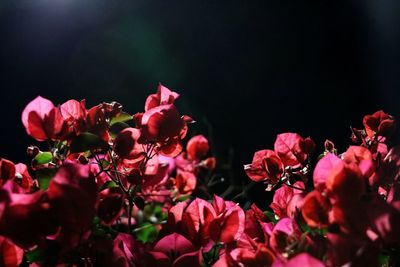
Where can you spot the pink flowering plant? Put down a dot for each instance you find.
(110, 188)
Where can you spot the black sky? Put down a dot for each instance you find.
(251, 69)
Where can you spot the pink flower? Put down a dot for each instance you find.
(42, 120)
(197, 147)
(315, 209)
(266, 165)
(11, 255)
(379, 123)
(282, 198)
(164, 96)
(185, 182)
(7, 170)
(300, 260)
(73, 195)
(323, 169)
(126, 145)
(229, 223)
(285, 232)
(174, 250)
(292, 149)
(26, 218)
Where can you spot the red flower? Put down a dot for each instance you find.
(42, 120)
(128, 252)
(300, 260)
(229, 223)
(285, 233)
(209, 163)
(161, 123)
(98, 118)
(346, 183)
(110, 205)
(253, 224)
(126, 145)
(185, 182)
(74, 114)
(7, 171)
(315, 209)
(163, 126)
(283, 197)
(73, 194)
(192, 221)
(163, 96)
(323, 169)
(156, 172)
(22, 178)
(255, 255)
(73, 110)
(26, 218)
(379, 123)
(266, 165)
(197, 147)
(292, 148)
(174, 250)
(362, 157)
(10, 254)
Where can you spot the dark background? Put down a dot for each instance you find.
(251, 69)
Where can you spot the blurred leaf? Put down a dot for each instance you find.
(86, 141)
(146, 233)
(116, 128)
(139, 202)
(183, 198)
(43, 158)
(271, 216)
(100, 230)
(210, 257)
(305, 228)
(44, 177)
(35, 255)
(109, 184)
(104, 163)
(384, 260)
(96, 220)
(122, 117)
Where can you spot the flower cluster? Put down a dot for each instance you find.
(114, 189)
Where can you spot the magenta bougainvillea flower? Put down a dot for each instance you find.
(115, 189)
(126, 145)
(197, 147)
(378, 123)
(291, 148)
(11, 255)
(266, 165)
(176, 251)
(42, 120)
(164, 96)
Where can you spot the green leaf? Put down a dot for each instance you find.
(210, 257)
(122, 117)
(320, 156)
(271, 216)
(86, 141)
(305, 228)
(44, 177)
(104, 163)
(103, 231)
(35, 255)
(43, 158)
(384, 260)
(108, 184)
(147, 233)
(116, 128)
(183, 198)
